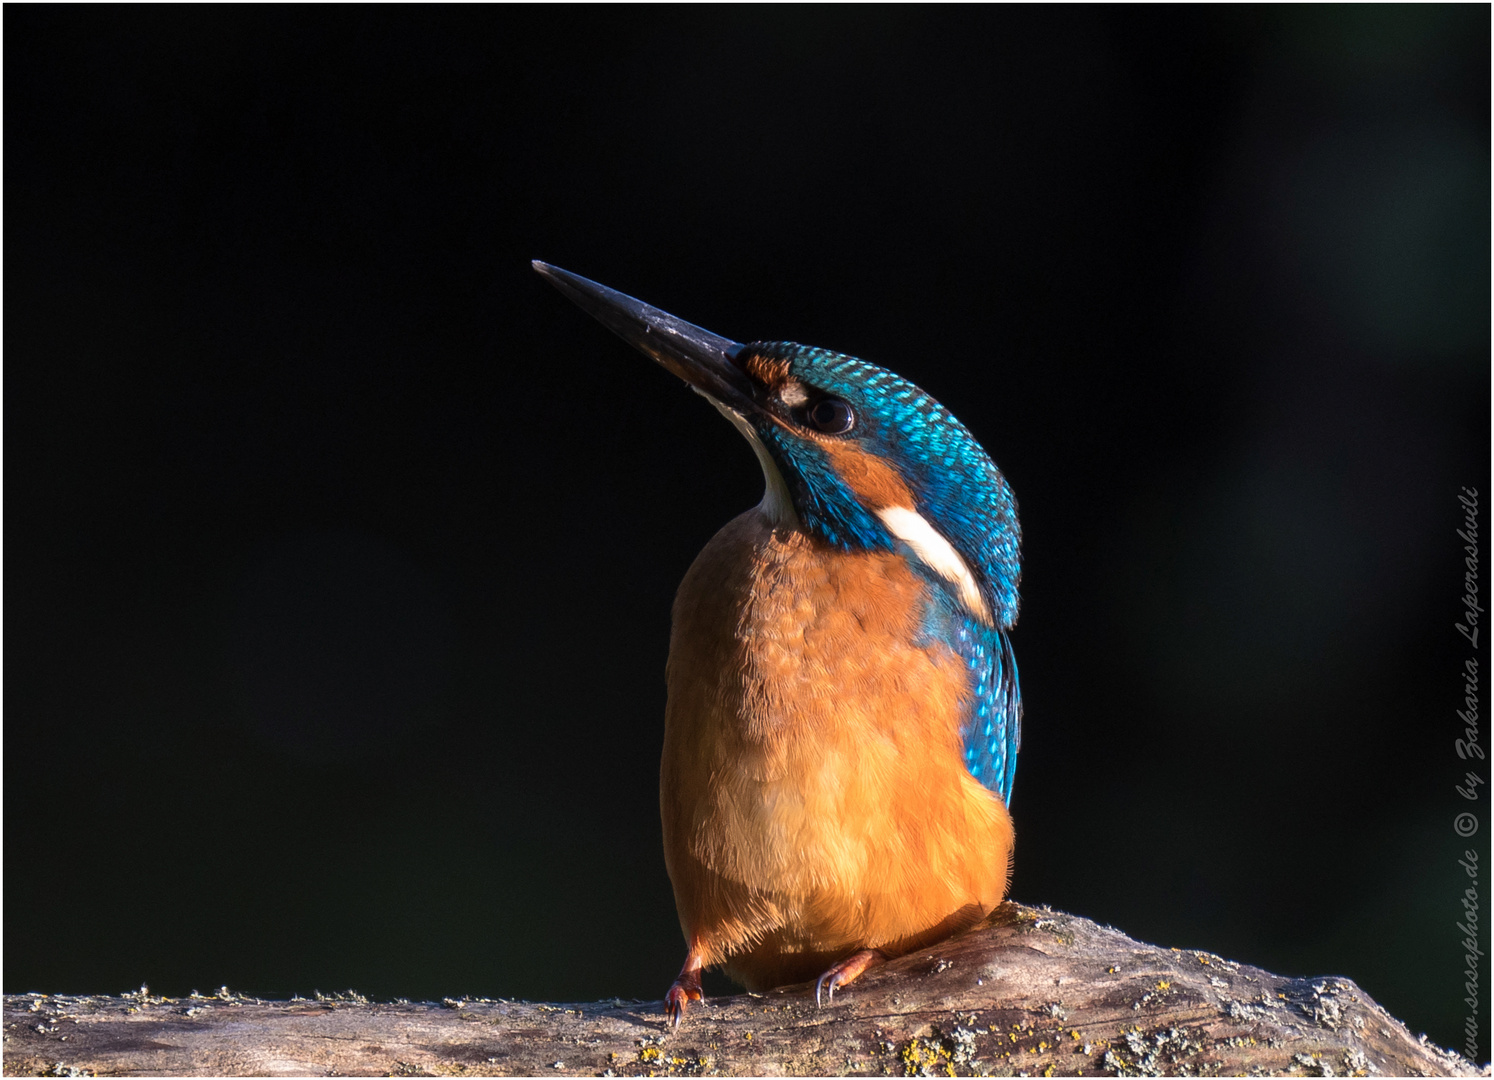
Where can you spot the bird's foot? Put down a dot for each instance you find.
(846, 972)
(685, 990)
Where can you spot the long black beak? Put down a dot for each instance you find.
(705, 360)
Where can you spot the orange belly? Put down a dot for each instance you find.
(813, 794)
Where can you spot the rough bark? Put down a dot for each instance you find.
(1029, 992)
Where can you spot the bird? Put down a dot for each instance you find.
(843, 711)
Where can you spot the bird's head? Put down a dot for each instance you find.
(852, 454)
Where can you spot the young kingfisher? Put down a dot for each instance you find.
(843, 710)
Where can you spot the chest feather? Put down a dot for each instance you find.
(806, 715)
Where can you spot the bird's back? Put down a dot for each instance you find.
(814, 789)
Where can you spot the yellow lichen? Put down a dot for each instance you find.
(920, 1059)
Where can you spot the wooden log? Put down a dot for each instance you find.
(1029, 992)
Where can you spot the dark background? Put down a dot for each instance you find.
(340, 548)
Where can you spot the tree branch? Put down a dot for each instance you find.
(1030, 991)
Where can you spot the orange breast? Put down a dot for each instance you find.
(813, 795)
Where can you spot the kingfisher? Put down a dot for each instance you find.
(843, 712)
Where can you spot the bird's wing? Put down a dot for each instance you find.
(992, 731)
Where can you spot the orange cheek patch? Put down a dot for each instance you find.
(876, 484)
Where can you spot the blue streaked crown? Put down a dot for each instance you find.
(958, 489)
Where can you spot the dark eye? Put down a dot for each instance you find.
(832, 416)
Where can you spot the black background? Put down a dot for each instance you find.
(340, 548)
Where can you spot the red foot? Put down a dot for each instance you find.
(685, 990)
(846, 972)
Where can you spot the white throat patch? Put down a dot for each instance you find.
(937, 554)
(777, 505)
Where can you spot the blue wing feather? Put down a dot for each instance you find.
(992, 731)
(991, 727)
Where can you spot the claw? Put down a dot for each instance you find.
(685, 990)
(845, 972)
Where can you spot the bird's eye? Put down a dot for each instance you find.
(832, 416)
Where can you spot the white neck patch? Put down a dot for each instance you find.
(777, 505)
(937, 554)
